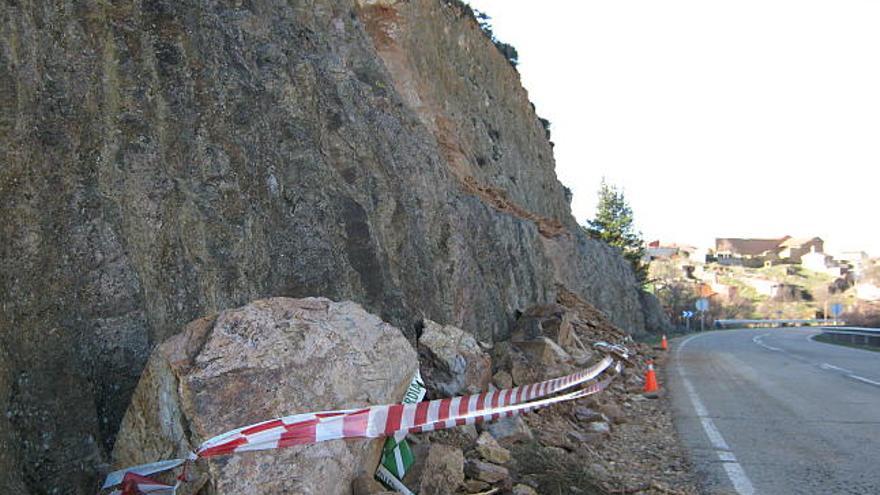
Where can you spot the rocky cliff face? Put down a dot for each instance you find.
(165, 159)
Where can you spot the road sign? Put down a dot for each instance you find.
(836, 309)
(687, 314)
(703, 304)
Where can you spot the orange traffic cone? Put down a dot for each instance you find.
(663, 344)
(651, 379)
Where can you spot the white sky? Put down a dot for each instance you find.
(719, 119)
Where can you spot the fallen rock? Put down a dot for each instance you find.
(578, 437)
(586, 414)
(538, 360)
(521, 489)
(452, 361)
(543, 351)
(508, 431)
(270, 358)
(502, 380)
(599, 427)
(546, 320)
(443, 472)
(490, 450)
(599, 471)
(486, 471)
(462, 436)
(475, 486)
(366, 484)
(613, 413)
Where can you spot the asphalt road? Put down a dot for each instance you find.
(770, 411)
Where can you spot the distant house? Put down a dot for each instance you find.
(763, 286)
(822, 263)
(868, 292)
(725, 291)
(747, 252)
(655, 250)
(758, 252)
(855, 259)
(792, 249)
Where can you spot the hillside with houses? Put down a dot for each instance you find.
(786, 277)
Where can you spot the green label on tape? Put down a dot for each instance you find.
(397, 456)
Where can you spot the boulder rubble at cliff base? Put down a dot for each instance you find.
(280, 356)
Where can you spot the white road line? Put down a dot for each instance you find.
(739, 479)
(758, 339)
(735, 473)
(863, 379)
(712, 432)
(826, 366)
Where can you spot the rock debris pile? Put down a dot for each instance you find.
(281, 356)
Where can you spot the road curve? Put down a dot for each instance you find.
(770, 411)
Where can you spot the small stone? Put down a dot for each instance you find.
(490, 450)
(587, 414)
(443, 472)
(510, 430)
(613, 413)
(468, 431)
(461, 436)
(366, 485)
(599, 471)
(599, 427)
(486, 471)
(579, 437)
(475, 486)
(520, 489)
(502, 380)
(557, 451)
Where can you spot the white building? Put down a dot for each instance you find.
(868, 292)
(821, 263)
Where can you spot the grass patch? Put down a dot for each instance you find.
(826, 339)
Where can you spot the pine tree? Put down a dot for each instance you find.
(614, 225)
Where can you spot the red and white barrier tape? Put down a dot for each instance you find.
(135, 484)
(386, 420)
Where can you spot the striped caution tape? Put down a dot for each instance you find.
(381, 421)
(616, 349)
(387, 420)
(135, 484)
(117, 477)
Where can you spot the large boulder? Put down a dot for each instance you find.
(545, 320)
(270, 358)
(453, 363)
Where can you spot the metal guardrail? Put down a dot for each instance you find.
(855, 330)
(777, 323)
(854, 335)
